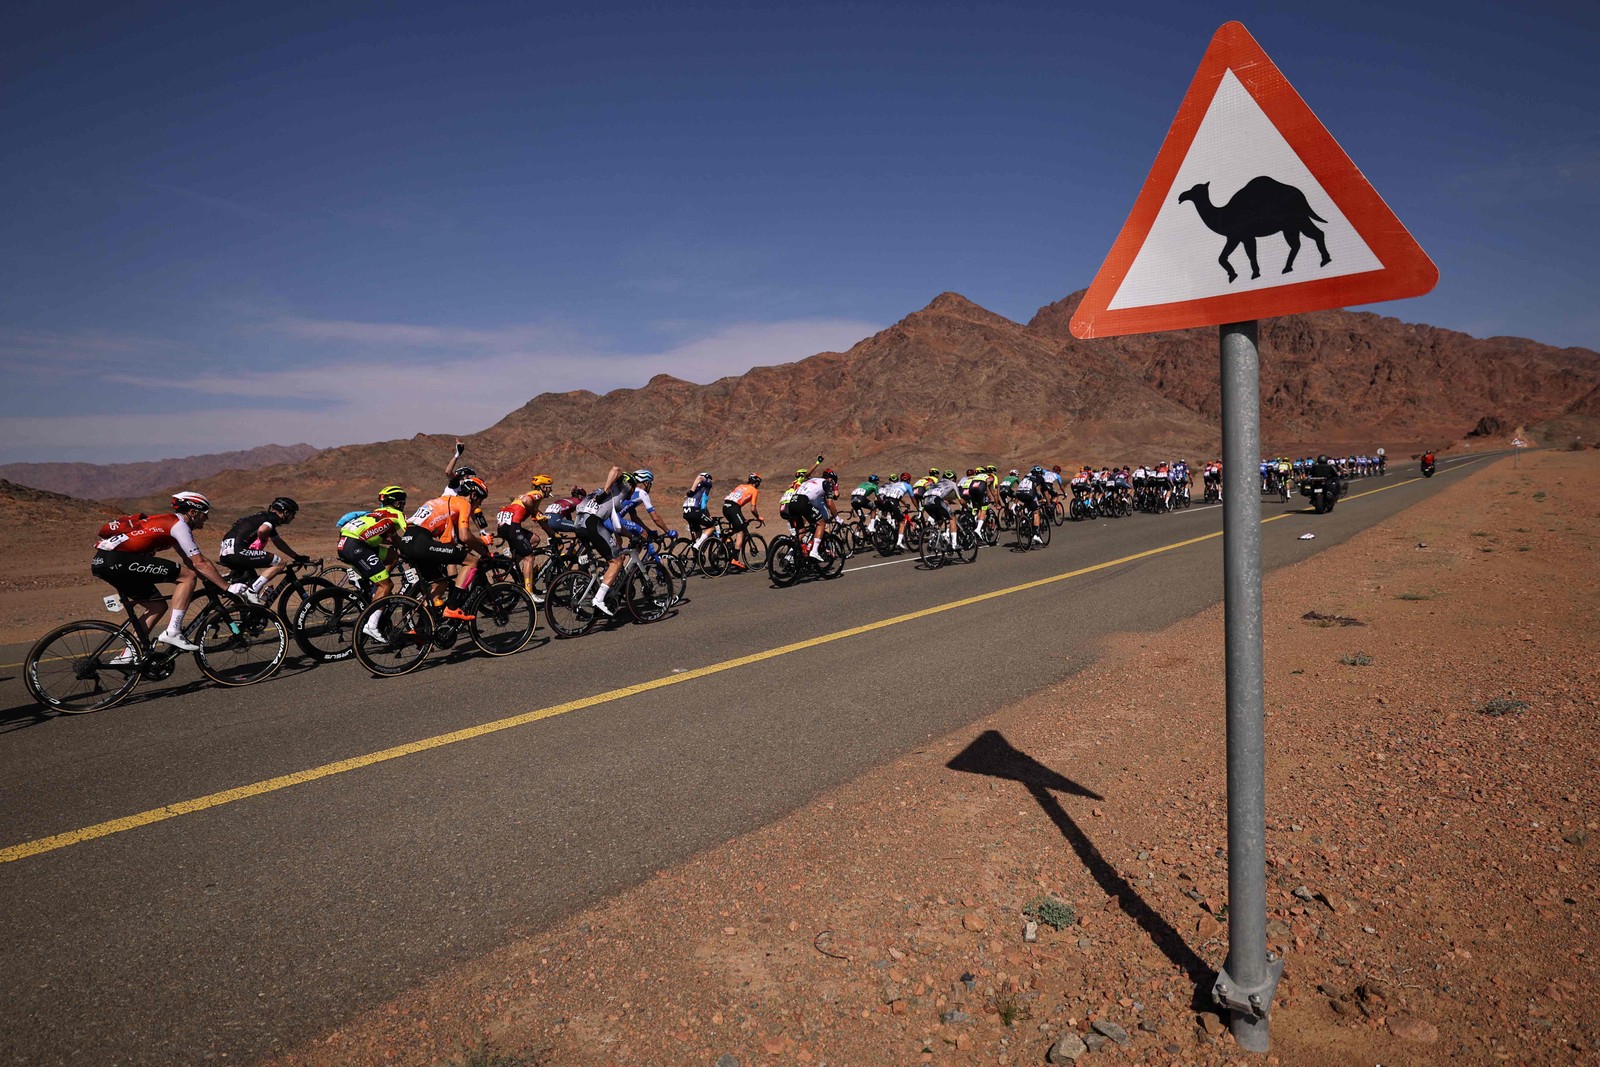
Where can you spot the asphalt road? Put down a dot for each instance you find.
(260, 919)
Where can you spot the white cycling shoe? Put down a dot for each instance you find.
(178, 641)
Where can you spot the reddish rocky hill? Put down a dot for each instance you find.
(105, 481)
(1341, 377)
(955, 384)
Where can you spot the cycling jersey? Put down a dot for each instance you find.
(640, 497)
(153, 534)
(895, 490)
(943, 489)
(743, 494)
(864, 491)
(698, 497)
(246, 534)
(434, 517)
(519, 509)
(373, 526)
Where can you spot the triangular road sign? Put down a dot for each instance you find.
(1251, 210)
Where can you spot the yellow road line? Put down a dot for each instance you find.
(327, 770)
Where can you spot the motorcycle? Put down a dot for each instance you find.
(1322, 492)
(1427, 468)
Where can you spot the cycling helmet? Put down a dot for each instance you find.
(703, 474)
(1056, 468)
(1322, 459)
(971, 472)
(905, 476)
(392, 494)
(873, 478)
(990, 469)
(1013, 472)
(755, 479)
(577, 491)
(474, 486)
(284, 504)
(933, 472)
(1036, 469)
(644, 475)
(542, 481)
(949, 474)
(187, 501)
(802, 473)
(829, 476)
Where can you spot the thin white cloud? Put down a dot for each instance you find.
(472, 379)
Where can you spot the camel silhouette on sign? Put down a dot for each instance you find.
(1261, 208)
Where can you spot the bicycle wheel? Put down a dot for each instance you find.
(291, 596)
(833, 555)
(755, 551)
(325, 626)
(394, 635)
(1044, 533)
(715, 556)
(566, 605)
(239, 645)
(505, 620)
(72, 668)
(883, 538)
(650, 591)
(967, 542)
(783, 562)
(1024, 527)
(930, 547)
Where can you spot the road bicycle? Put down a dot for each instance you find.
(790, 558)
(1028, 527)
(715, 555)
(644, 585)
(92, 664)
(395, 634)
(1213, 494)
(939, 547)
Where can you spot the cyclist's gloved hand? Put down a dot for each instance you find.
(302, 559)
(672, 534)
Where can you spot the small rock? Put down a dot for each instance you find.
(1085, 943)
(1067, 1049)
(1110, 1029)
(1144, 855)
(1149, 1026)
(1095, 1042)
(727, 1059)
(956, 1017)
(1303, 893)
(1030, 931)
(1279, 928)
(1411, 1028)
(1577, 837)
(1211, 1024)
(1206, 927)
(973, 921)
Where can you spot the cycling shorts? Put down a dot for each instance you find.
(863, 503)
(734, 513)
(697, 519)
(250, 559)
(517, 538)
(799, 509)
(977, 493)
(936, 509)
(134, 574)
(429, 555)
(593, 533)
(366, 559)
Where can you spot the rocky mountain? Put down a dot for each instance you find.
(1347, 378)
(955, 384)
(115, 480)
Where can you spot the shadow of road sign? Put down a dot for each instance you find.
(991, 755)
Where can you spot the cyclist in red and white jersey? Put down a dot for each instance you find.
(126, 559)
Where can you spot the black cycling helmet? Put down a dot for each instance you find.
(577, 491)
(286, 505)
(755, 480)
(873, 478)
(1322, 459)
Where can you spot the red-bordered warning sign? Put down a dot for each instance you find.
(1251, 210)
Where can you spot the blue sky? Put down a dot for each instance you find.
(228, 224)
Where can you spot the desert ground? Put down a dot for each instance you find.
(1432, 874)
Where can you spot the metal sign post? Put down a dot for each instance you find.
(1249, 978)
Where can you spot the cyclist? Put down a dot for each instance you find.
(125, 558)
(618, 518)
(938, 501)
(1052, 483)
(975, 491)
(808, 503)
(894, 502)
(244, 547)
(746, 493)
(518, 538)
(864, 501)
(441, 533)
(1008, 485)
(1028, 492)
(696, 509)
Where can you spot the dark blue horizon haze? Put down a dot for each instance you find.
(227, 225)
